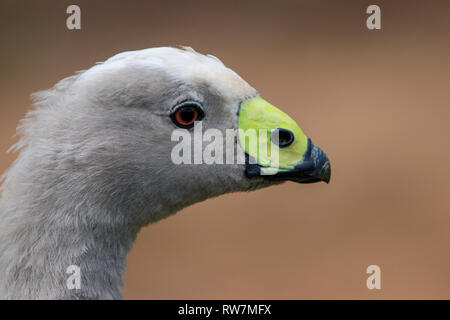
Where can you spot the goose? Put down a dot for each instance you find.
(95, 165)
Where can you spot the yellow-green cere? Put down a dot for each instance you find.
(257, 119)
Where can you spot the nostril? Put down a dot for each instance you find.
(282, 137)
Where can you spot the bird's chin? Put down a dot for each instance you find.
(315, 167)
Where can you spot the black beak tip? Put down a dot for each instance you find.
(321, 165)
(326, 172)
(314, 168)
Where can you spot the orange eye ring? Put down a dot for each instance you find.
(186, 114)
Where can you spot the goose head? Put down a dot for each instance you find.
(126, 143)
(143, 122)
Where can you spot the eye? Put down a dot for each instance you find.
(185, 114)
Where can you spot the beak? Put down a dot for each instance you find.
(315, 167)
(279, 149)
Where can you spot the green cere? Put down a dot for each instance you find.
(257, 120)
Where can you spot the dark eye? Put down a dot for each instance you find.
(185, 114)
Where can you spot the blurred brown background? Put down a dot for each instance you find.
(376, 101)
